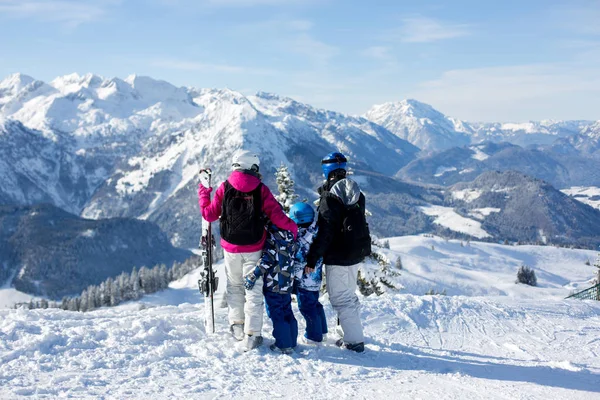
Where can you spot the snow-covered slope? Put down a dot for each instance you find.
(511, 341)
(586, 195)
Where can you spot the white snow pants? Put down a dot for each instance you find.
(341, 286)
(245, 306)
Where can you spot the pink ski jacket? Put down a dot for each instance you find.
(211, 211)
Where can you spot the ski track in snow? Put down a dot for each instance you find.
(451, 347)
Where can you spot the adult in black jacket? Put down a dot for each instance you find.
(343, 241)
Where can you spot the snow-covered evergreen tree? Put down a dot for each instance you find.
(135, 284)
(144, 278)
(124, 286)
(164, 277)
(526, 275)
(287, 196)
(91, 301)
(398, 263)
(108, 284)
(376, 275)
(83, 303)
(99, 298)
(115, 297)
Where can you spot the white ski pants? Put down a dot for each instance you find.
(341, 286)
(245, 306)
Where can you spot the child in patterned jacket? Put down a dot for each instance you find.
(276, 266)
(308, 282)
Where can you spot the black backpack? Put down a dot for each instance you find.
(356, 237)
(242, 219)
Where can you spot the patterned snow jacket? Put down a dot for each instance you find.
(277, 262)
(311, 282)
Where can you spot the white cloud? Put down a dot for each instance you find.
(70, 13)
(579, 19)
(292, 36)
(275, 26)
(422, 30)
(316, 50)
(300, 25)
(522, 92)
(184, 65)
(381, 53)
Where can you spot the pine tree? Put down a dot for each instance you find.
(135, 284)
(376, 275)
(106, 292)
(73, 305)
(44, 303)
(83, 304)
(398, 263)
(115, 294)
(98, 295)
(124, 287)
(143, 275)
(91, 293)
(164, 277)
(285, 185)
(527, 276)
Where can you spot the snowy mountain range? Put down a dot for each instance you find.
(560, 164)
(432, 131)
(132, 147)
(518, 207)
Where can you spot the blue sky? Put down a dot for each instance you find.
(474, 60)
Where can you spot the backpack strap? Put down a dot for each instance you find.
(228, 187)
(257, 200)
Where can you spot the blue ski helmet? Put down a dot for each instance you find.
(302, 213)
(333, 161)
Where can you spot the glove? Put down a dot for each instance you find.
(203, 196)
(204, 176)
(249, 280)
(309, 269)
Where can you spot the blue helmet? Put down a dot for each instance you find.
(302, 213)
(333, 161)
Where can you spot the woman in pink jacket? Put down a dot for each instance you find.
(241, 204)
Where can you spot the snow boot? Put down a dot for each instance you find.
(237, 331)
(287, 350)
(309, 342)
(252, 342)
(357, 347)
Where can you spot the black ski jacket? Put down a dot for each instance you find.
(335, 194)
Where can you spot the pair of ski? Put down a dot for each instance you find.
(208, 282)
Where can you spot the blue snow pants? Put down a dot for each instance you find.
(285, 326)
(313, 313)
